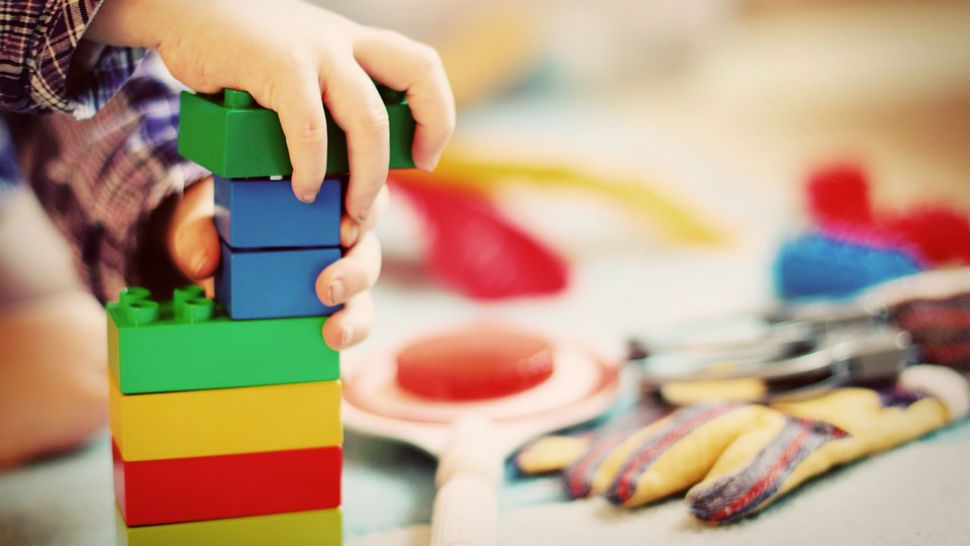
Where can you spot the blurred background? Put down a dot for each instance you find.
(720, 108)
(769, 87)
(661, 149)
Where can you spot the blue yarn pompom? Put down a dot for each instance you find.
(817, 266)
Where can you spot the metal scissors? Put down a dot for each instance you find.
(802, 350)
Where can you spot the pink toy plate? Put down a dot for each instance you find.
(472, 439)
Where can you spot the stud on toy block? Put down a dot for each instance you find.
(265, 214)
(310, 528)
(234, 137)
(262, 284)
(226, 486)
(189, 343)
(175, 425)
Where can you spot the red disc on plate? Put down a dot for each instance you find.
(474, 364)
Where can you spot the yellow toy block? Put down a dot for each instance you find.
(312, 528)
(223, 421)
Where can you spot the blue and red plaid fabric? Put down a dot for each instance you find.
(940, 328)
(103, 156)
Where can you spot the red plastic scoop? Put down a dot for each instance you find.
(474, 364)
(475, 250)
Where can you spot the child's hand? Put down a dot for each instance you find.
(287, 55)
(193, 245)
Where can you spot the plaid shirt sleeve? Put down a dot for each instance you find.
(102, 179)
(100, 168)
(44, 64)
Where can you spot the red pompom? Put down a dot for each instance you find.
(838, 195)
(838, 200)
(474, 364)
(940, 233)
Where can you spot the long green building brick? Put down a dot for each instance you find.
(189, 343)
(234, 137)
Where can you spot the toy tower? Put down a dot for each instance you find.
(225, 414)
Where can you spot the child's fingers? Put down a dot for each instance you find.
(351, 230)
(351, 275)
(193, 242)
(352, 324)
(297, 100)
(357, 108)
(404, 64)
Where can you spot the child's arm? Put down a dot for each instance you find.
(102, 179)
(288, 55)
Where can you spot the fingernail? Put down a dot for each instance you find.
(351, 233)
(308, 197)
(347, 335)
(197, 262)
(336, 291)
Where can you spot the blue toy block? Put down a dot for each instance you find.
(255, 284)
(263, 213)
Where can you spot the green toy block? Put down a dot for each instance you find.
(234, 137)
(190, 343)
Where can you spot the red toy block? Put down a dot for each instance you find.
(226, 486)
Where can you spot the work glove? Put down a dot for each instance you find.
(734, 459)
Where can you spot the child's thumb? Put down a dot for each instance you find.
(191, 237)
(196, 249)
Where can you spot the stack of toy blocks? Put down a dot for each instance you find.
(225, 414)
